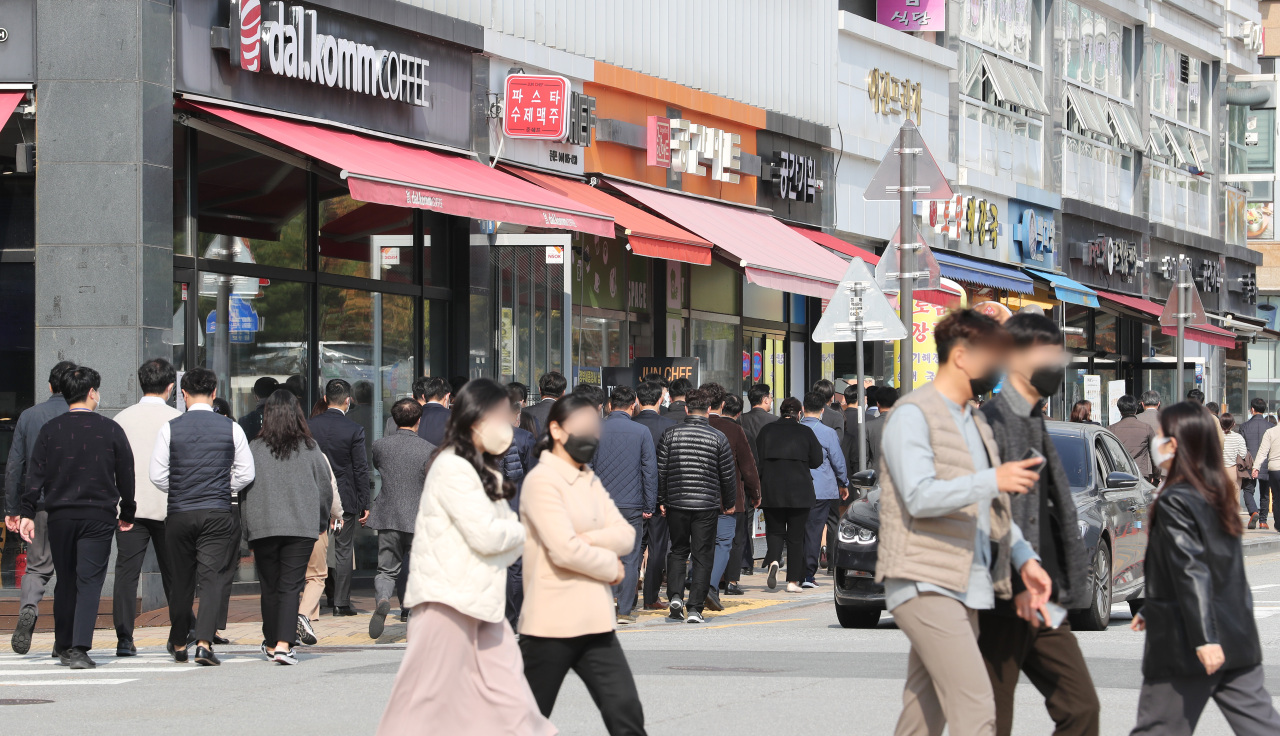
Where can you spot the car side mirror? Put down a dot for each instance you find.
(1118, 480)
(864, 479)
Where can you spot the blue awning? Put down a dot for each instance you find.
(982, 273)
(1071, 292)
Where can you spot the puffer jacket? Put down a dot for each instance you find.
(472, 540)
(695, 467)
(625, 463)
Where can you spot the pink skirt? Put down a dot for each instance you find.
(461, 676)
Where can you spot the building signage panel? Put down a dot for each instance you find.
(912, 15)
(689, 148)
(536, 106)
(1115, 256)
(795, 177)
(966, 218)
(893, 96)
(1034, 234)
(658, 142)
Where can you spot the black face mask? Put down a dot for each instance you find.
(1047, 380)
(581, 447)
(982, 386)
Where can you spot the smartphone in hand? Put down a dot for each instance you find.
(1057, 614)
(1036, 454)
(335, 525)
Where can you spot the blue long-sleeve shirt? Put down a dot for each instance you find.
(831, 475)
(909, 457)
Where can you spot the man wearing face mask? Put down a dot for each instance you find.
(1012, 637)
(946, 537)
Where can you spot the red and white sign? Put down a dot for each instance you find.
(555, 255)
(250, 35)
(658, 142)
(537, 106)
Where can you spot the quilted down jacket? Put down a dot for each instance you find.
(695, 467)
(625, 463)
(471, 541)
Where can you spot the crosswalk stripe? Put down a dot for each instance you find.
(49, 683)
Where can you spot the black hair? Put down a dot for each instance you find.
(1259, 405)
(825, 388)
(552, 384)
(363, 392)
(156, 375)
(200, 382)
(436, 388)
(680, 387)
(657, 378)
(697, 399)
(967, 326)
(560, 411)
(1127, 405)
(265, 386)
(758, 393)
(886, 396)
(456, 383)
(77, 382)
(872, 393)
(814, 402)
(851, 394)
(1213, 408)
(1029, 329)
(419, 387)
(1195, 395)
(336, 391)
(519, 391)
(284, 429)
(223, 407)
(623, 397)
(649, 393)
(406, 412)
(296, 385)
(715, 392)
(56, 373)
(592, 392)
(1198, 462)
(470, 404)
(732, 405)
(790, 408)
(1227, 421)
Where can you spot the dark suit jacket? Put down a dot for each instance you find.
(402, 459)
(539, 412)
(342, 441)
(751, 423)
(834, 419)
(675, 410)
(875, 435)
(655, 422)
(849, 442)
(434, 419)
(744, 462)
(251, 423)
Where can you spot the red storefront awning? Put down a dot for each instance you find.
(9, 102)
(386, 172)
(836, 244)
(1207, 334)
(647, 235)
(770, 253)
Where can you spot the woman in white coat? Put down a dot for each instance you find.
(462, 672)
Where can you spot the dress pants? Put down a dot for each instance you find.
(602, 666)
(393, 554)
(659, 542)
(693, 534)
(317, 571)
(39, 563)
(343, 551)
(228, 574)
(1250, 503)
(1268, 489)
(131, 552)
(1172, 707)
(515, 592)
(813, 535)
(1051, 660)
(625, 591)
(786, 524)
(947, 683)
(741, 555)
(80, 549)
(833, 527)
(198, 543)
(726, 527)
(282, 571)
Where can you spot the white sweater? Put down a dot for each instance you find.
(463, 543)
(1233, 446)
(142, 423)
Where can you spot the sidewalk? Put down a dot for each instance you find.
(1261, 541)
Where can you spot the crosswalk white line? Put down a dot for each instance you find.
(1265, 587)
(49, 683)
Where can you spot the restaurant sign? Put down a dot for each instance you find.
(1116, 256)
(690, 148)
(963, 217)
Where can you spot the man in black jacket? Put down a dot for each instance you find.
(551, 386)
(342, 441)
(1010, 638)
(696, 479)
(82, 466)
(657, 539)
(760, 396)
(676, 410)
(831, 417)
(435, 411)
(251, 423)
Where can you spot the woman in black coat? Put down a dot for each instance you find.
(1202, 640)
(788, 451)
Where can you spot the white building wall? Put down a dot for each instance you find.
(773, 55)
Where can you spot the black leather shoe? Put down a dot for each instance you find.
(179, 655)
(21, 641)
(220, 641)
(378, 621)
(748, 571)
(206, 657)
(125, 648)
(344, 611)
(732, 589)
(61, 655)
(713, 600)
(78, 659)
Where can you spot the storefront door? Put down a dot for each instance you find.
(529, 283)
(766, 352)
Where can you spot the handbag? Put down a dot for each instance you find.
(1244, 466)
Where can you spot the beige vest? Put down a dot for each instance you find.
(939, 550)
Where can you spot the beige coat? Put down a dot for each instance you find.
(574, 538)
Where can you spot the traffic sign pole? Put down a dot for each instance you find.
(906, 258)
(1184, 283)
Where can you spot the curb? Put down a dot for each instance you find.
(1263, 546)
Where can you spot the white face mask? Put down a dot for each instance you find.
(1160, 453)
(494, 436)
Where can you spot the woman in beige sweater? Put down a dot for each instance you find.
(574, 540)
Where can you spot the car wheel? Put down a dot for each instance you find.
(1098, 615)
(857, 617)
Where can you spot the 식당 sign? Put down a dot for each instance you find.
(912, 15)
(537, 106)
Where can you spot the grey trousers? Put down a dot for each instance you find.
(39, 563)
(393, 551)
(1172, 707)
(625, 591)
(344, 547)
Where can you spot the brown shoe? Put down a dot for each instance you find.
(658, 605)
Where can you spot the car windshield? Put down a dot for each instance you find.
(1075, 459)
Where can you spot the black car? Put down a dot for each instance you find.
(1111, 507)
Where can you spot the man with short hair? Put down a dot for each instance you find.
(627, 466)
(831, 417)
(419, 392)
(592, 393)
(678, 391)
(1150, 415)
(760, 397)
(657, 539)
(435, 412)
(830, 486)
(1135, 434)
(141, 424)
(886, 397)
(853, 414)
(401, 459)
(1253, 431)
(1011, 637)
(1197, 396)
(551, 386)
(39, 558)
(748, 493)
(696, 482)
(202, 460)
(82, 468)
(946, 538)
(869, 390)
(342, 442)
(251, 423)
(1267, 448)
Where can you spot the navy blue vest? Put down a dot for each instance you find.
(201, 452)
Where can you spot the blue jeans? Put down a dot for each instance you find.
(813, 536)
(625, 591)
(726, 527)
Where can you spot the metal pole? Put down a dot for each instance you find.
(859, 333)
(1180, 293)
(906, 255)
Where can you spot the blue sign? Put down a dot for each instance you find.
(243, 322)
(1034, 234)
(757, 366)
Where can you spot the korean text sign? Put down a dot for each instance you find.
(537, 106)
(912, 15)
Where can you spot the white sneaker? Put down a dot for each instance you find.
(773, 575)
(693, 618)
(306, 634)
(289, 657)
(676, 609)
(793, 588)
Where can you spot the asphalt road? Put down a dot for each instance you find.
(780, 665)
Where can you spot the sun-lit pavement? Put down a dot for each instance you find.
(772, 663)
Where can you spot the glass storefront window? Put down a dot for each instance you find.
(598, 341)
(714, 288)
(180, 245)
(435, 340)
(530, 318)
(252, 208)
(761, 303)
(1079, 318)
(716, 345)
(1105, 337)
(372, 241)
(1098, 51)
